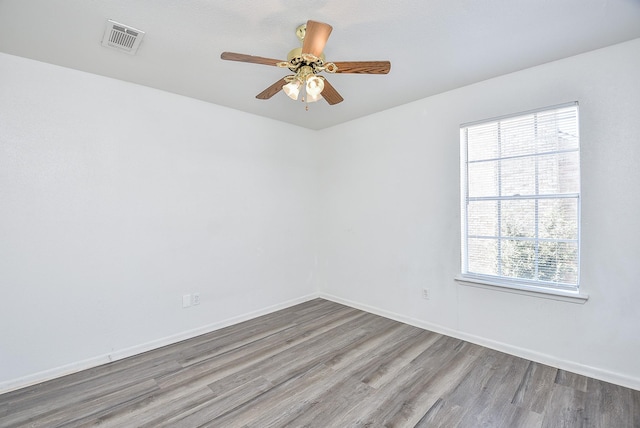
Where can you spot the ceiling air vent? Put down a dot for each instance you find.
(122, 37)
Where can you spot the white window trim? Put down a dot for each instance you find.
(510, 285)
(573, 296)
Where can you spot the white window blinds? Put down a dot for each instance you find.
(521, 198)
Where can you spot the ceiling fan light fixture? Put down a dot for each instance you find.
(313, 98)
(292, 89)
(315, 85)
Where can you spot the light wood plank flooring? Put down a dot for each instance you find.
(321, 364)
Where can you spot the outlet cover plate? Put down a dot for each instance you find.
(186, 300)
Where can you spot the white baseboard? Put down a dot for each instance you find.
(571, 366)
(99, 360)
(604, 375)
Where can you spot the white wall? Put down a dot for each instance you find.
(117, 199)
(391, 216)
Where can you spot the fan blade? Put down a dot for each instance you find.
(330, 94)
(272, 90)
(363, 67)
(316, 37)
(231, 56)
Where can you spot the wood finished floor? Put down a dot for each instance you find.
(321, 364)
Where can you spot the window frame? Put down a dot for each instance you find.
(557, 290)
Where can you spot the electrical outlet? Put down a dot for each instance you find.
(186, 300)
(195, 299)
(425, 294)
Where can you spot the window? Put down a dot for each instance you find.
(520, 185)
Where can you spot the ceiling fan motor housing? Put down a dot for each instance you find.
(297, 59)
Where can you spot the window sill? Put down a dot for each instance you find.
(527, 290)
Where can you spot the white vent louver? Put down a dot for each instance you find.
(122, 37)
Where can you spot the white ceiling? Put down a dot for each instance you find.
(433, 45)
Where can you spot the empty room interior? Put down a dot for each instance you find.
(378, 257)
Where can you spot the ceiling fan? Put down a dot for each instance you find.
(307, 62)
